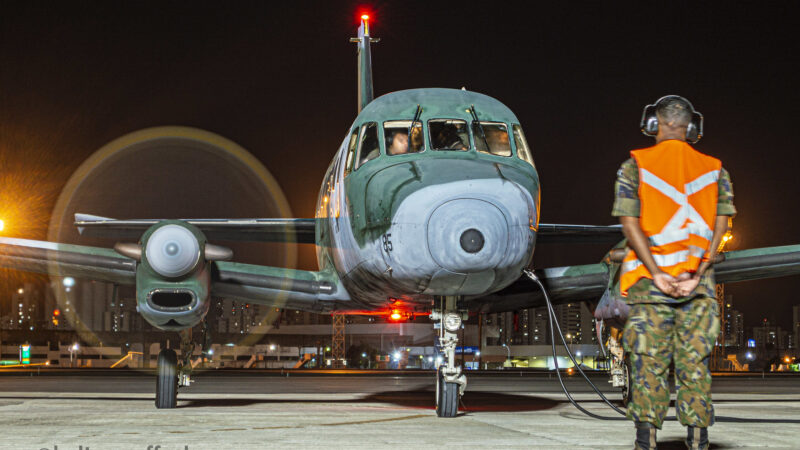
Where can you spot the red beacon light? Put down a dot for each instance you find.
(395, 315)
(365, 23)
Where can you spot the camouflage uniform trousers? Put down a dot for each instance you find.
(658, 333)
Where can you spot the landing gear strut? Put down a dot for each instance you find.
(172, 374)
(450, 382)
(620, 369)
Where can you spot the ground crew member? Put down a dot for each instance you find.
(674, 204)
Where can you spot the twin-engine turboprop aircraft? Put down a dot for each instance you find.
(430, 206)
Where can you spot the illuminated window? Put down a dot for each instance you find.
(396, 134)
(491, 137)
(351, 151)
(448, 134)
(368, 148)
(523, 150)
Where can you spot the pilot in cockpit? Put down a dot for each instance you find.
(447, 138)
(398, 144)
(397, 137)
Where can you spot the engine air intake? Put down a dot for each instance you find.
(171, 299)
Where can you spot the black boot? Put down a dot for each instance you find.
(645, 436)
(696, 438)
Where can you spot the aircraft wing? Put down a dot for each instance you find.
(553, 233)
(273, 286)
(259, 230)
(277, 287)
(589, 282)
(67, 260)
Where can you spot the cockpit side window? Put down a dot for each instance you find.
(351, 152)
(368, 147)
(448, 134)
(496, 138)
(396, 133)
(523, 151)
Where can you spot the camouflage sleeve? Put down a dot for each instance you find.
(725, 197)
(626, 190)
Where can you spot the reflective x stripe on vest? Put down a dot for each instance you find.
(681, 241)
(672, 231)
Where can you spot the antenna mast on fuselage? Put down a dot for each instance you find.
(365, 92)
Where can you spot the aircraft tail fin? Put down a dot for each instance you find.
(364, 41)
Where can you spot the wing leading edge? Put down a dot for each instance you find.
(272, 286)
(302, 231)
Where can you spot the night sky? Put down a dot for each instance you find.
(281, 82)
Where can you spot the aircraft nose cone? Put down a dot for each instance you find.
(467, 235)
(472, 241)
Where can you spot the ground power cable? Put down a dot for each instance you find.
(554, 325)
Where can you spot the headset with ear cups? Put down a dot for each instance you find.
(649, 122)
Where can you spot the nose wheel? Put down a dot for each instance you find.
(447, 396)
(450, 382)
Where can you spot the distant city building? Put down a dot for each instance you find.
(769, 336)
(796, 325)
(240, 318)
(26, 309)
(531, 326)
(734, 325)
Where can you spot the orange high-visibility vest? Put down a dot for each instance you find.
(678, 196)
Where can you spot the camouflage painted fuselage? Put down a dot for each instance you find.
(391, 228)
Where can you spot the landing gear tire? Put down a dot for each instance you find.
(626, 389)
(167, 379)
(446, 396)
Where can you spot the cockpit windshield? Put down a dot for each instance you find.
(368, 148)
(496, 138)
(523, 151)
(448, 134)
(397, 137)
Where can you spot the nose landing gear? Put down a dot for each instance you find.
(450, 382)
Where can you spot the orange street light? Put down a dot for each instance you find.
(727, 237)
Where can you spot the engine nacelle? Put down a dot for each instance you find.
(172, 279)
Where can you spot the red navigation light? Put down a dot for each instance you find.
(365, 17)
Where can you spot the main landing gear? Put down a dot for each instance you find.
(620, 369)
(450, 382)
(173, 374)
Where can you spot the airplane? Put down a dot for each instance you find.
(430, 206)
